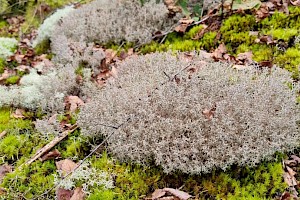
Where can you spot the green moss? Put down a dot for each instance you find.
(42, 47)
(283, 34)
(30, 181)
(2, 65)
(235, 31)
(131, 181)
(8, 123)
(290, 60)
(193, 32)
(12, 80)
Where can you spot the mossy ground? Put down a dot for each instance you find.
(235, 33)
(133, 181)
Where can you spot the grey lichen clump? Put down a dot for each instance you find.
(214, 117)
(110, 21)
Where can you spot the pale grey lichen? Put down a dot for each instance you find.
(255, 114)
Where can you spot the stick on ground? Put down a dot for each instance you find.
(51, 144)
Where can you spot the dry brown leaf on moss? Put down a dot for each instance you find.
(217, 55)
(50, 155)
(290, 180)
(295, 3)
(66, 166)
(184, 23)
(19, 114)
(4, 169)
(63, 194)
(180, 194)
(78, 194)
(244, 58)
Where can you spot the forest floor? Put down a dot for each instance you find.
(261, 33)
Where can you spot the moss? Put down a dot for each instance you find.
(131, 181)
(12, 80)
(193, 32)
(43, 47)
(30, 180)
(2, 65)
(290, 60)
(8, 123)
(282, 34)
(235, 31)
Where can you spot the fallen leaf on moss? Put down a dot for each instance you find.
(184, 23)
(19, 114)
(63, 194)
(4, 169)
(66, 166)
(158, 193)
(219, 52)
(245, 4)
(50, 155)
(209, 113)
(244, 58)
(290, 180)
(78, 194)
(295, 3)
(180, 194)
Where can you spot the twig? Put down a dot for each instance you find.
(47, 148)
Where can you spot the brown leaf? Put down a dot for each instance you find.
(158, 193)
(50, 155)
(245, 58)
(181, 28)
(290, 180)
(219, 52)
(268, 64)
(4, 169)
(209, 113)
(78, 194)
(296, 158)
(290, 171)
(180, 194)
(66, 166)
(295, 3)
(73, 102)
(5, 75)
(19, 114)
(63, 194)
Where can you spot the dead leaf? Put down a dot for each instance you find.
(296, 158)
(2, 134)
(50, 155)
(19, 114)
(4, 169)
(180, 194)
(290, 171)
(245, 58)
(295, 3)
(219, 52)
(181, 28)
(290, 180)
(158, 193)
(73, 102)
(267, 64)
(5, 75)
(63, 194)
(66, 166)
(209, 113)
(245, 4)
(78, 194)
